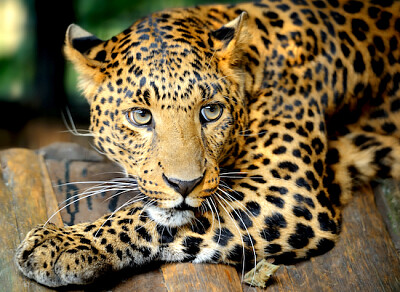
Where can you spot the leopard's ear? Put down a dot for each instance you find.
(230, 39)
(87, 54)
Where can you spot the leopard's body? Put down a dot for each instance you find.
(245, 132)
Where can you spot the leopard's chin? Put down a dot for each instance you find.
(170, 217)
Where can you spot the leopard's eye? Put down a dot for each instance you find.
(211, 112)
(139, 117)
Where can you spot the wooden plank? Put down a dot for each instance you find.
(150, 281)
(22, 206)
(200, 277)
(364, 259)
(49, 195)
(146, 278)
(70, 180)
(388, 202)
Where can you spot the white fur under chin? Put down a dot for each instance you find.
(170, 217)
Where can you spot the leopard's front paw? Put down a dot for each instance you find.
(55, 257)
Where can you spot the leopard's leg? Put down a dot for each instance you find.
(369, 148)
(81, 253)
(360, 156)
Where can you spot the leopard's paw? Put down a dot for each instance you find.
(56, 257)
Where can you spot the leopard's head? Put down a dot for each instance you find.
(167, 103)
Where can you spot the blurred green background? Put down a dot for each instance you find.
(35, 81)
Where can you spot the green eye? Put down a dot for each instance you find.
(139, 117)
(211, 112)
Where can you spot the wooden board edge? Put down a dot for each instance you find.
(49, 195)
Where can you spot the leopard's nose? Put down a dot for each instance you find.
(182, 186)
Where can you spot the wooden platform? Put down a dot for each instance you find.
(365, 258)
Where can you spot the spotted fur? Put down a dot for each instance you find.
(308, 99)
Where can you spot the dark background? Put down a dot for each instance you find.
(36, 84)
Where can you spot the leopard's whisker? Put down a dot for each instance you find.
(218, 218)
(147, 205)
(212, 212)
(233, 172)
(81, 197)
(99, 183)
(95, 148)
(237, 202)
(219, 197)
(241, 219)
(98, 190)
(162, 234)
(224, 172)
(70, 125)
(69, 204)
(113, 172)
(144, 225)
(130, 201)
(248, 233)
(197, 220)
(122, 191)
(112, 182)
(244, 208)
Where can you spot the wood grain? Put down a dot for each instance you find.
(22, 206)
(150, 281)
(388, 202)
(200, 277)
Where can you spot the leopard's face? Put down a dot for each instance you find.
(173, 150)
(169, 115)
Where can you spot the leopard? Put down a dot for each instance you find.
(246, 128)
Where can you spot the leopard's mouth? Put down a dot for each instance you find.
(174, 210)
(184, 207)
(172, 217)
